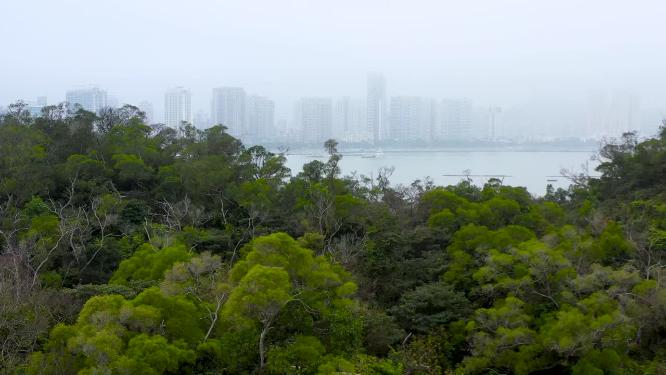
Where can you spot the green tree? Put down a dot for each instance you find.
(148, 265)
(428, 306)
(277, 273)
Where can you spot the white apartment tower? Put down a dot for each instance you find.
(201, 120)
(177, 107)
(412, 118)
(228, 109)
(91, 99)
(147, 108)
(349, 121)
(455, 120)
(314, 116)
(260, 117)
(376, 107)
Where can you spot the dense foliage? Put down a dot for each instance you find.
(136, 249)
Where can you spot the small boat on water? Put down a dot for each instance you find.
(371, 155)
(551, 180)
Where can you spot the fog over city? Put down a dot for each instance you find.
(535, 70)
(311, 187)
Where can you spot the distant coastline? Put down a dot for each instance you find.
(389, 147)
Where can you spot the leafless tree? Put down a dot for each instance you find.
(346, 249)
(183, 212)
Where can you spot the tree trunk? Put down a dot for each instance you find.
(214, 316)
(262, 340)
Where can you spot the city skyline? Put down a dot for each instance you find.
(380, 115)
(586, 114)
(514, 55)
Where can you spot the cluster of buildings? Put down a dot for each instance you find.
(374, 119)
(380, 119)
(91, 99)
(245, 116)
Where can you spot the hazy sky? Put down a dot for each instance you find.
(501, 52)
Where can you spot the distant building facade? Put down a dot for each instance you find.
(412, 118)
(260, 117)
(147, 108)
(177, 107)
(314, 116)
(35, 108)
(228, 109)
(349, 121)
(91, 99)
(454, 120)
(201, 120)
(377, 123)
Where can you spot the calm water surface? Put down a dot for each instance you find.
(520, 168)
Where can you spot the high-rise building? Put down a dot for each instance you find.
(412, 118)
(376, 107)
(91, 99)
(260, 117)
(455, 120)
(112, 101)
(624, 110)
(201, 120)
(147, 108)
(35, 108)
(349, 121)
(228, 109)
(611, 114)
(494, 128)
(177, 107)
(314, 116)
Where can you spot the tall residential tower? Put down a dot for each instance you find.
(260, 117)
(349, 124)
(91, 99)
(412, 118)
(177, 107)
(455, 120)
(228, 109)
(376, 107)
(315, 117)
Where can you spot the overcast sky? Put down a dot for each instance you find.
(495, 52)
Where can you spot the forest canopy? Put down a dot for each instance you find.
(128, 248)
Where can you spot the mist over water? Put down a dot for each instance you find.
(156, 216)
(531, 169)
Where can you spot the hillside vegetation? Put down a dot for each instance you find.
(135, 249)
